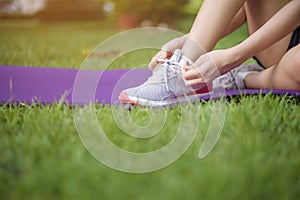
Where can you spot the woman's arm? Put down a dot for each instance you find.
(211, 23)
(238, 20)
(211, 65)
(280, 25)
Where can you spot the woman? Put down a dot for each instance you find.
(274, 31)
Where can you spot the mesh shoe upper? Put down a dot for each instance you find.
(166, 81)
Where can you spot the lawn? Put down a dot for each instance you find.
(42, 156)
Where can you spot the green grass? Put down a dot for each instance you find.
(30, 43)
(42, 157)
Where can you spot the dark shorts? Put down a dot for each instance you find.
(295, 40)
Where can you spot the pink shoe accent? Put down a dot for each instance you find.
(204, 90)
(123, 97)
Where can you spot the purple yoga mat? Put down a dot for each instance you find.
(48, 85)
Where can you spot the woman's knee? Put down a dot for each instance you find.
(293, 63)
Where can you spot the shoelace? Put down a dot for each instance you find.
(169, 65)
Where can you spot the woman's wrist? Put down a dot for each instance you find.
(238, 55)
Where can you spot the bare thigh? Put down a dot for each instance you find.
(259, 12)
(284, 75)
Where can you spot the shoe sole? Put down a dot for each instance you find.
(125, 99)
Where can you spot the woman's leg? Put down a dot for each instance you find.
(200, 42)
(258, 12)
(213, 19)
(285, 75)
(284, 67)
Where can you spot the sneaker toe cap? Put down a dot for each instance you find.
(123, 97)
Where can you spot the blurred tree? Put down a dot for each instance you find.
(192, 7)
(154, 10)
(4, 3)
(72, 10)
(167, 11)
(21, 7)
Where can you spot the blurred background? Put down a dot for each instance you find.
(61, 33)
(124, 14)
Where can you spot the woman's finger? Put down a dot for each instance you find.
(191, 74)
(160, 55)
(194, 82)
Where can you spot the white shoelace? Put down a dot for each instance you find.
(169, 65)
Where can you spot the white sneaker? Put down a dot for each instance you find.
(165, 87)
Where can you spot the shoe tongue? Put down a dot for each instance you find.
(178, 57)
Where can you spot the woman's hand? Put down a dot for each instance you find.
(210, 66)
(167, 50)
